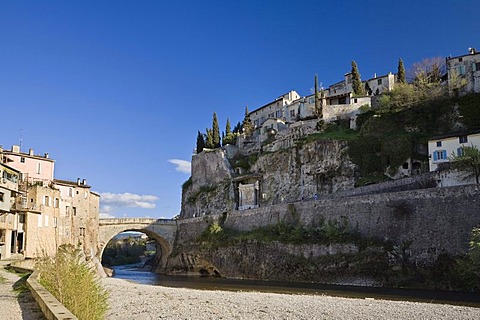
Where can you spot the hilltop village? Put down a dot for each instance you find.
(344, 118)
(357, 174)
(340, 187)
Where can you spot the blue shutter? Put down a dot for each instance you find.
(444, 154)
(435, 155)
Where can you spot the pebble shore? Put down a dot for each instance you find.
(137, 301)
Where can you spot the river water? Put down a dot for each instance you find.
(135, 274)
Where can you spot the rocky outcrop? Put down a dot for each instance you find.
(302, 171)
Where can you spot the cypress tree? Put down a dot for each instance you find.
(247, 123)
(215, 132)
(318, 103)
(200, 142)
(229, 137)
(209, 140)
(401, 72)
(357, 87)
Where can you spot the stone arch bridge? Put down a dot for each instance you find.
(162, 230)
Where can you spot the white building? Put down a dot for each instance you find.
(440, 149)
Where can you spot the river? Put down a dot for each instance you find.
(135, 274)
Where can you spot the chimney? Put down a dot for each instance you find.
(78, 181)
(30, 152)
(84, 182)
(47, 155)
(15, 149)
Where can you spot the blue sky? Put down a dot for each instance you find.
(115, 91)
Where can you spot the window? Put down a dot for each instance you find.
(56, 203)
(292, 113)
(39, 220)
(82, 232)
(477, 66)
(1, 196)
(311, 100)
(46, 201)
(440, 155)
(67, 211)
(460, 151)
(278, 114)
(355, 100)
(22, 159)
(271, 115)
(74, 211)
(70, 192)
(463, 139)
(439, 143)
(21, 218)
(461, 69)
(39, 168)
(379, 81)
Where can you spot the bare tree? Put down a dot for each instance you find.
(427, 71)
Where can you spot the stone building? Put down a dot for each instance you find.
(49, 212)
(464, 72)
(11, 228)
(338, 101)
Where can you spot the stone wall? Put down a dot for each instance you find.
(433, 221)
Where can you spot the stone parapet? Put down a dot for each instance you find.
(51, 307)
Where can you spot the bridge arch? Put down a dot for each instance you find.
(163, 231)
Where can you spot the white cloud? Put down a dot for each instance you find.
(103, 215)
(109, 201)
(182, 165)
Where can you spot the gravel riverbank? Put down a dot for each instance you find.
(136, 301)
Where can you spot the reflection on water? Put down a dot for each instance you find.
(135, 274)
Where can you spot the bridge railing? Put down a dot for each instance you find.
(136, 221)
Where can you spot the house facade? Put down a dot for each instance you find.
(49, 212)
(464, 72)
(11, 228)
(440, 149)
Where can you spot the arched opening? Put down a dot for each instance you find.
(138, 249)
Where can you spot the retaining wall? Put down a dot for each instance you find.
(433, 221)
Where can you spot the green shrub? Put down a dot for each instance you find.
(73, 283)
(187, 184)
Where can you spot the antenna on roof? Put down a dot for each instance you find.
(20, 138)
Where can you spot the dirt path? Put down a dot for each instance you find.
(16, 304)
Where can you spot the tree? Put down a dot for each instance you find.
(209, 139)
(200, 142)
(238, 128)
(247, 123)
(318, 100)
(468, 160)
(401, 72)
(356, 81)
(229, 136)
(215, 131)
(428, 71)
